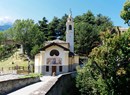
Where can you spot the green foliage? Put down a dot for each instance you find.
(9, 34)
(31, 75)
(55, 29)
(27, 33)
(43, 27)
(88, 83)
(62, 27)
(125, 13)
(35, 50)
(87, 31)
(107, 71)
(1, 37)
(87, 35)
(103, 23)
(5, 51)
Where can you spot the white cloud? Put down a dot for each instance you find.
(5, 20)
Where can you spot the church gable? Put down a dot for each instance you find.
(54, 56)
(54, 51)
(54, 44)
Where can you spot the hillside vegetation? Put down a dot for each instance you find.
(16, 59)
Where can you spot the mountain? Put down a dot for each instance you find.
(5, 26)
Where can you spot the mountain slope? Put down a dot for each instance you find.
(5, 27)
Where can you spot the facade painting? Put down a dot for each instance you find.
(54, 61)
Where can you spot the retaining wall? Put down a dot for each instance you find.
(11, 85)
(63, 85)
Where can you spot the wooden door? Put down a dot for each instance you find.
(53, 70)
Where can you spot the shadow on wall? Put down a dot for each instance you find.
(12, 85)
(65, 85)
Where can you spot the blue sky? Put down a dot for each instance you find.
(37, 9)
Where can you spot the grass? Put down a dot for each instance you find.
(31, 75)
(15, 59)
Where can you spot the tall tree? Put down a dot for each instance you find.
(22, 29)
(53, 29)
(43, 26)
(103, 23)
(88, 18)
(86, 36)
(87, 31)
(125, 13)
(62, 27)
(28, 34)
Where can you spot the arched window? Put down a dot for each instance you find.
(54, 52)
(70, 27)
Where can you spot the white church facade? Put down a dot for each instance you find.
(58, 56)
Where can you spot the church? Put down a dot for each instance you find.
(58, 56)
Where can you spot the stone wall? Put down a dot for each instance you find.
(11, 85)
(63, 85)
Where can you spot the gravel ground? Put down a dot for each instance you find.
(9, 77)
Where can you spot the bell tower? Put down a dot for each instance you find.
(70, 32)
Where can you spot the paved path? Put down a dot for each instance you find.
(35, 89)
(9, 77)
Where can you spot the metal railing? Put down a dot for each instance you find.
(16, 70)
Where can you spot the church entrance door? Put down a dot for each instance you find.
(53, 70)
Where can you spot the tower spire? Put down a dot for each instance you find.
(70, 12)
(70, 19)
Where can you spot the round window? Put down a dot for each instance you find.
(54, 52)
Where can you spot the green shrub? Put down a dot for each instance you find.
(32, 75)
